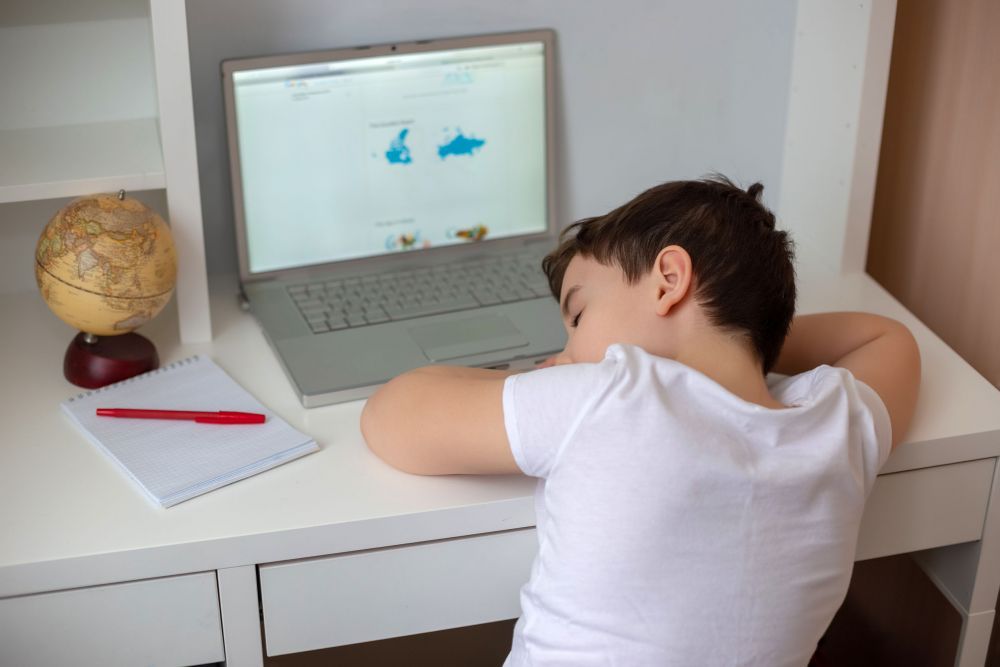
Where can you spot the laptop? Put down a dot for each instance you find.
(392, 207)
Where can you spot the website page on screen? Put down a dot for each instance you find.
(356, 158)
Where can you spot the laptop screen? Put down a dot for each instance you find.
(395, 153)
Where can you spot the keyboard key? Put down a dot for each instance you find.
(400, 313)
(507, 296)
(442, 288)
(541, 290)
(486, 297)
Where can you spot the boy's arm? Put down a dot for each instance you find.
(877, 350)
(440, 420)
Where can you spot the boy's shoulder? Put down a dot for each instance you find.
(634, 370)
(628, 370)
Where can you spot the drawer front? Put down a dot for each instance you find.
(929, 507)
(168, 621)
(369, 595)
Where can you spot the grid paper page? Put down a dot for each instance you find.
(176, 460)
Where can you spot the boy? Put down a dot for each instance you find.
(690, 510)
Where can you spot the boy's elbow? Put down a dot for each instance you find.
(381, 418)
(376, 426)
(907, 373)
(369, 425)
(908, 353)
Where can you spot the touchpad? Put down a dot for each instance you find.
(467, 336)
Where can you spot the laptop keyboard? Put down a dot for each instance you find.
(355, 302)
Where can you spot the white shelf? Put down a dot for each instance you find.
(71, 160)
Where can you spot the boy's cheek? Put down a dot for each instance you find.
(583, 350)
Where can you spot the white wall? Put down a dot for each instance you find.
(649, 90)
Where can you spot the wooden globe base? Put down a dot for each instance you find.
(108, 359)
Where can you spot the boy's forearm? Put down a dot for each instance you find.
(440, 420)
(830, 338)
(400, 397)
(460, 371)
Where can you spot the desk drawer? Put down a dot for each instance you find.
(369, 595)
(168, 621)
(929, 507)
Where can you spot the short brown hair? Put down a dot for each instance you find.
(742, 265)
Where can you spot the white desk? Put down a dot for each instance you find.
(85, 557)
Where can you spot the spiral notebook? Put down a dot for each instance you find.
(173, 461)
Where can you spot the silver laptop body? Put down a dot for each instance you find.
(393, 204)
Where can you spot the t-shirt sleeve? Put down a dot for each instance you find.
(877, 433)
(542, 409)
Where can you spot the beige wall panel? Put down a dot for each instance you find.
(935, 239)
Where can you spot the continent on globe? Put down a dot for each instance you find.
(399, 152)
(105, 264)
(460, 145)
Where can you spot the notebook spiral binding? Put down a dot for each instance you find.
(161, 369)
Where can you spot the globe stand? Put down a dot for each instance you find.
(95, 361)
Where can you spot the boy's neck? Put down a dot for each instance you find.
(729, 362)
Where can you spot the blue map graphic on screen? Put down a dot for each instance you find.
(399, 152)
(460, 145)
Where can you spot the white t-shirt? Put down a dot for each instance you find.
(681, 525)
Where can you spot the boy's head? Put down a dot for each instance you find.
(704, 247)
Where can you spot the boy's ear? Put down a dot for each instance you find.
(673, 276)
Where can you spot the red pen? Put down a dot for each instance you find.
(220, 417)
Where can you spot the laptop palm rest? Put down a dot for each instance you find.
(452, 339)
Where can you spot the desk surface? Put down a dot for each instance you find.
(69, 518)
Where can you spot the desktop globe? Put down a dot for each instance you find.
(105, 264)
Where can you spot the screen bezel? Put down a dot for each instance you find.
(415, 258)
